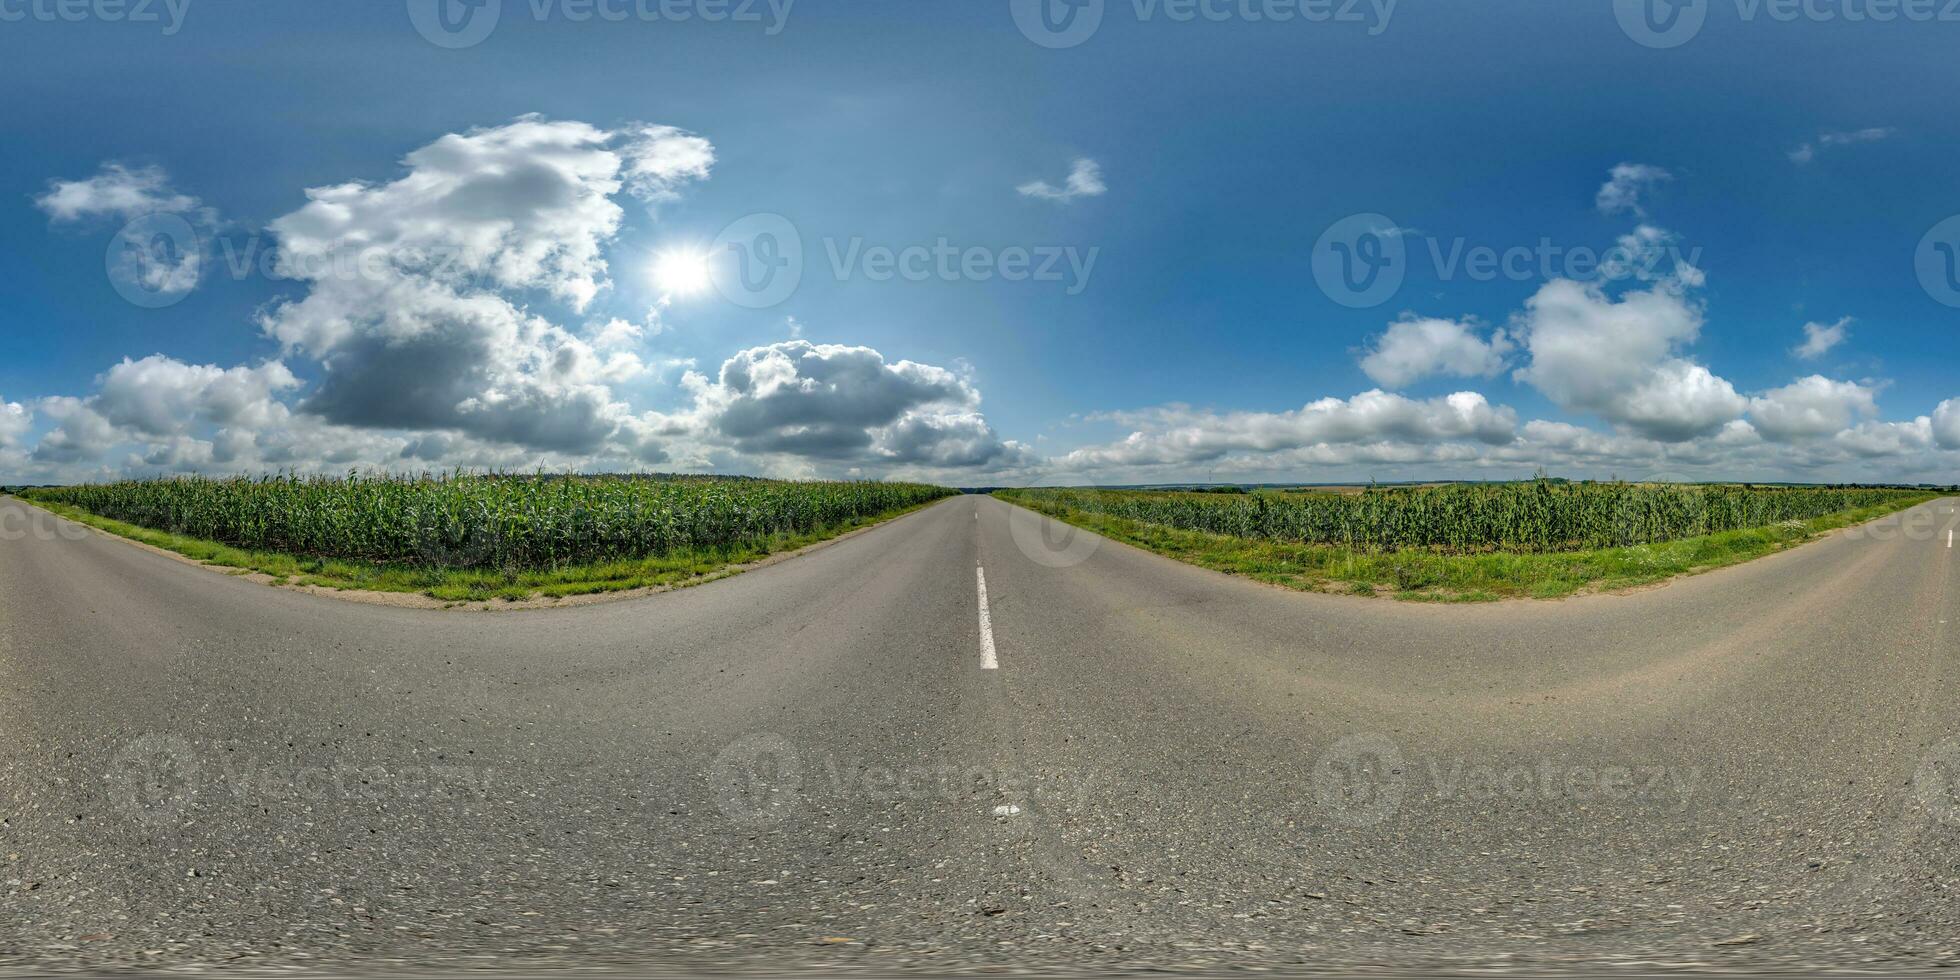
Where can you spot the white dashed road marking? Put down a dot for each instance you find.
(988, 661)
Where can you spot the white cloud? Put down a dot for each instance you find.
(1415, 348)
(1877, 440)
(80, 433)
(1946, 424)
(526, 205)
(424, 338)
(1617, 358)
(159, 258)
(421, 313)
(1644, 254)
(1819, 338)
(1625, 184)
(116, 191)
(441, 350)
(1084, 180)
(1811, 408)
(842, 404)
(1178, 435)
(160, 396)
(15, 420)
(1677, 401)
(1808, 151)
(661, 159)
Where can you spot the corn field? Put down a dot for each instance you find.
(1540, 516)
(502, 522)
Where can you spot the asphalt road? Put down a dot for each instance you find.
(811, 766)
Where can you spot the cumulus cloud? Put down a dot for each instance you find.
(1624, 186)
(15, 420)
(1414, 348)
(427, 323)
(116, 191)
(1946, 424)
(1084, 180)
(1178, 435)
(80, 433)
(1618, 358)
(421, 316)
(1819, 338)
(1807, 152)
(526, 205)
(160, 396)
(1811, 408)
(425, 338)
(843, 404)
(1875, 440)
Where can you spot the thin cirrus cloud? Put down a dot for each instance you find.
(1806, 152)
(1085, 179)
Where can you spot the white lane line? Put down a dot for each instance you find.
(1949, 537)
(988, 660)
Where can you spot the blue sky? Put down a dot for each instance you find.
(1776, 169)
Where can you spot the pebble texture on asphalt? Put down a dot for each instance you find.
(804, 767)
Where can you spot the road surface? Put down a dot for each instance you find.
(847, 761)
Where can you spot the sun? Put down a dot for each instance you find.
(681, 272)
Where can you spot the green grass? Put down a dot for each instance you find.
(1431, 575)
(690, 567)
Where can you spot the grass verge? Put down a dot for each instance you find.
(470, 585)
(1429, 576)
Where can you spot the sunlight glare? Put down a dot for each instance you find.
(681, 272)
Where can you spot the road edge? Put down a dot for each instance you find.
(1396, 600)
(417, 600)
